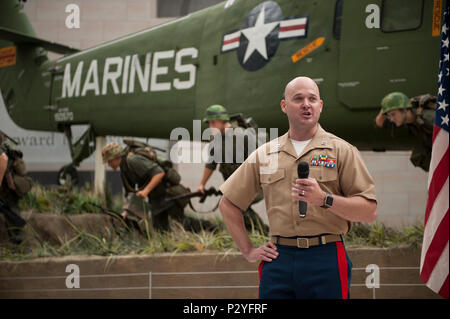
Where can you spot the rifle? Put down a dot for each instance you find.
(208, 192)
(15, 219)
(129, 220)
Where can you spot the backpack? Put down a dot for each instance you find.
(421, 103)
(238, 120)
(171, 177)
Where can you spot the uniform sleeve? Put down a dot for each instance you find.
(243, 185)
(354, 177)
(388, 124)
(143, 167)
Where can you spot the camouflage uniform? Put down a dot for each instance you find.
(228, 166)
(12, 200)
(136, 172)
(423, 106)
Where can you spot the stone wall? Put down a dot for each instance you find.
(195, 275)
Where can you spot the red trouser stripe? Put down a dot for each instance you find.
(342, 263)
(260, 270)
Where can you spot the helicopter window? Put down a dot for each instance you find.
(401, 15)
(337, 19)
(179, 8)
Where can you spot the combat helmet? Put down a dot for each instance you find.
(395, 101)
(111, 151)
(216, 112)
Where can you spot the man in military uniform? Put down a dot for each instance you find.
(11, 187)
(306, 257)
(417, 115)
(144, 177)
(218, 119)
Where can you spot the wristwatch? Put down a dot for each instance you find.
(328, 202)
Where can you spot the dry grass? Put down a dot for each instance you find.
(111, 237)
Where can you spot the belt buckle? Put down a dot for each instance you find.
(302, 242)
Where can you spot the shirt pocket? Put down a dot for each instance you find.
(324, 174)
(273, 187)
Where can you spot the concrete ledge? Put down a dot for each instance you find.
(194, 275)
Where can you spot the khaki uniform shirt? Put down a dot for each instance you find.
(335, 164)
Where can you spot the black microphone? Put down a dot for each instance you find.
(303, 172)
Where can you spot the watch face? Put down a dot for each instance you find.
(329, 200)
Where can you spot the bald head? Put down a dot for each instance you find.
(301, 81)
(302, 105)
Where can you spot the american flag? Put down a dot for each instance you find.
(434, 263)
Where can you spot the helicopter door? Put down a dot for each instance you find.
(384, 47)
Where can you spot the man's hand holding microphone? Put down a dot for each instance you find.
(306, 189)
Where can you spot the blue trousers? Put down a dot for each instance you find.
(322, 272)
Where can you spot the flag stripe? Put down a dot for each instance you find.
(437, 213)
(435, 249)
(440, 272)
(437, 182)
(440, 146)
(444, 289)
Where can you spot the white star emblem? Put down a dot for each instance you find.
(445, 43)
(256, 36)
(445, 119)
(440, 76)
(444, 29)
(442, 105)
(445, 57)
(441, 90)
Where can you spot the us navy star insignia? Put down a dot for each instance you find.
(256, 36)
(257, 40)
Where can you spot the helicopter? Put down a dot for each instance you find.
(239, 54)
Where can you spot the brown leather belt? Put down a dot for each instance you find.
(306, 242)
